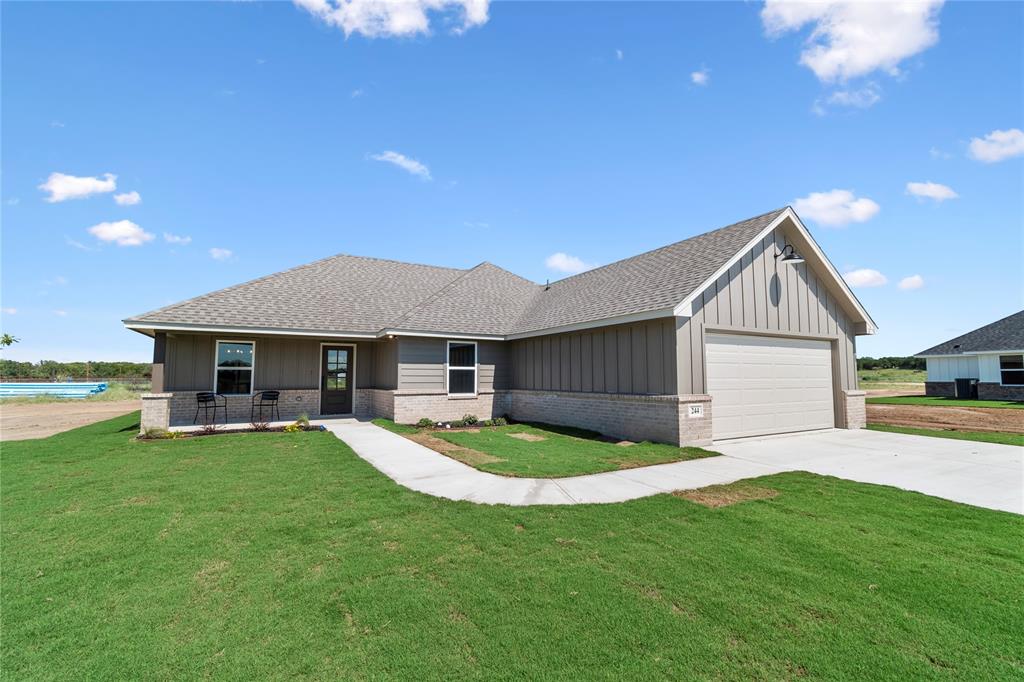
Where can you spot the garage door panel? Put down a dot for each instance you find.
(762, 385)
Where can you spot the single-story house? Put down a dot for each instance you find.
(993, 354)
(746, 330)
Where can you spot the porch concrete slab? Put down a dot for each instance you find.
(981, 474)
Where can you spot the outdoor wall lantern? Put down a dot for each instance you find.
(792, 257)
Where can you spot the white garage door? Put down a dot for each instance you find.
(761, 385)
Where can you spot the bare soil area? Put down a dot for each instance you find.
(956, 418)
(38, 420)
(886, 390)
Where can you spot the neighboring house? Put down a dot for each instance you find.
(730, 333)
(993, 354)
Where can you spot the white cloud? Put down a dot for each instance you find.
(937, 153)
(177, 239)
(931, 190)
(620, 55)
(63, 187)
(127, 199)
(997, 145)
(702, 77)
(122, 233)
(220, 254)
(836, 208)
(404, 162)
(56, 124)
(853, 38)
(912, 282)
(9, 311)
(861, 98)
(388, 18)
(77, 244)
(60, 313)
(563, 262)
(865, 277)
(57, 281)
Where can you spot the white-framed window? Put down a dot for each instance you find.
(461, 368)
(1011, 370)
(234, 365)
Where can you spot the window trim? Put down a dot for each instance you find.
(1001, 370)
(217, 367)
(448, 368)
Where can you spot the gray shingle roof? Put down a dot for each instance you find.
(1004, 334)
(353, 294)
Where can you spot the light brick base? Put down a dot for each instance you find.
(854, 410)
(659, 418)
(375, 402)
(409, 407)
(156, 411)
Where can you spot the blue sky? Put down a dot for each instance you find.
(264, 137)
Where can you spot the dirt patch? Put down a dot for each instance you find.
(716, 496)
(625, 443)
(529, 437)
(457, 452)
(39, 420)
(955, 418)
(884, 390)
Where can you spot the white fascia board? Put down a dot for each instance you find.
(441, 335)
(223, 329)
(685, 307)
(606, 322)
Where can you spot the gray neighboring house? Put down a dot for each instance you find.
(993, 354)
(746, 330)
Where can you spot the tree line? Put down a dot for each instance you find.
(891, 363)
(50, 369)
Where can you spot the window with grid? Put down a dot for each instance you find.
(461, 368)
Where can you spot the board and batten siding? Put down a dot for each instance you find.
(758, 295)
(281, 362)
(959, 367)
(638, 358)
(421, 364)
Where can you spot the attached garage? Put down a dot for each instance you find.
(763, 385)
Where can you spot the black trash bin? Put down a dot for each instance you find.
(967, 389)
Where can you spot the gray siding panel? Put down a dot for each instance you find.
(422, 361)
(758, 294)
(637, 358)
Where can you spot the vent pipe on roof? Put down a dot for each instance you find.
(547, 285)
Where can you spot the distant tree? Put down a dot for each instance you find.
(7, 340)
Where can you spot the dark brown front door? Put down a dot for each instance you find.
(336, 374)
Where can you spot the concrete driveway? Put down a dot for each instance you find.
(981, 474)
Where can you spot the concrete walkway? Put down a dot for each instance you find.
(980, 474)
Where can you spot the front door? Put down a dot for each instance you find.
(336, 374)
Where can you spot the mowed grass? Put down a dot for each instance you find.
(937, 401)
(281, 556)
(980, 436)
(546, 451)
(115, 391)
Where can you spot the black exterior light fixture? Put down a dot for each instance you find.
(792, 257)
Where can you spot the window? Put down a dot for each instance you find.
(233, 375)
(461, 368)
(1011, 370)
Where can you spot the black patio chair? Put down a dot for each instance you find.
(267, 398)
(208, 401)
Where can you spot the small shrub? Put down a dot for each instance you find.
(302, 420)
(259, 426)
(456, 423)
(425, 423)
(469, 419)
(156, 433)
(209, 429)
(293, 428)
(485, 422)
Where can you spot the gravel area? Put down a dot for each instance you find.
(38, 420)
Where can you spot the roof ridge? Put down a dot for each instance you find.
(666, 246)
(509, 272)
(437, 294)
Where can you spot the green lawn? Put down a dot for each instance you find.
(981, 436)
(558, 451)
(905, 376)
(403, 429)
(944, 402)
(283, 556)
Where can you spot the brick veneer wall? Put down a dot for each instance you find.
(855, 414)
(375, 402)
(291, 404)
(989, 391)
(411, 406)
(156, 411)
(940, 389)
(657, 418)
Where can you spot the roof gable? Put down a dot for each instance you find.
(1001, 335)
